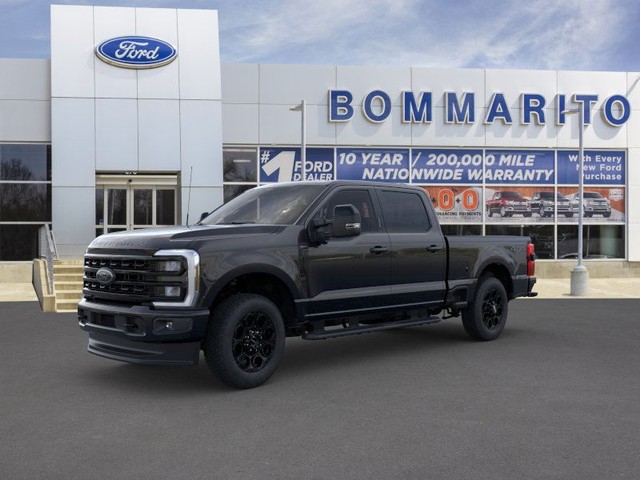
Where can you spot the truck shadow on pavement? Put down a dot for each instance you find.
(303, 360)
(420, 344)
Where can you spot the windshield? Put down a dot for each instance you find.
(511, 195)
(592, 195)
(549, 196)
(278, 204)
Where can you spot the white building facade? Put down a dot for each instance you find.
(90, 147)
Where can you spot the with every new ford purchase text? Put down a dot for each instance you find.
(311, 259)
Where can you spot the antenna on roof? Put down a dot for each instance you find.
(189, 194)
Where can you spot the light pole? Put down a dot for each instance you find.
(580, 274)
(302, 107)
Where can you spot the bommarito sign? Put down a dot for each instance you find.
(417, 107)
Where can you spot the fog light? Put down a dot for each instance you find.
(171, 325)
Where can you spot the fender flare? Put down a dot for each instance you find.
(256, 268)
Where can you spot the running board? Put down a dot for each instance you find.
(412, 322)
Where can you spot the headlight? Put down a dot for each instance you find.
(170, 266)
(510, 202)
(188, 267)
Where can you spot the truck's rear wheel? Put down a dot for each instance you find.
(485, 318)
(245, 340)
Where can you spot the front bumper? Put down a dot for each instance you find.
(598, 209)
(140, 334)
(518, 209)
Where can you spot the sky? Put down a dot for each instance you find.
(516, 34)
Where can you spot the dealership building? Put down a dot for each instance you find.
(134, 123)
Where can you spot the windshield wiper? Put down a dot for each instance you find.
(234, 223)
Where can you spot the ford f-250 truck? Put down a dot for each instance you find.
(310, 259)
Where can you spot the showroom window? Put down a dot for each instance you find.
(515, 191)
(25, 199)
(461, 229)
(599, 241)
(240, 171)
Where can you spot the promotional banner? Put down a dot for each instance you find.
(509, 204)
(381, 165)
(533, 167)
(545, 204)
(446, 166)
(284, 164)
(457, 204)
(600, 204)
(601, 167)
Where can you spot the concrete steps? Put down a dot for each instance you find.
(67, 279)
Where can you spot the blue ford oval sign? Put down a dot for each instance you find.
(136, 52)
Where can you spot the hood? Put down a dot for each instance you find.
(149, 240)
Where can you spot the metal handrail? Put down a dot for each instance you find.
(49, 251)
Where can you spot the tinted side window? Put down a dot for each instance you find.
(404, 212)
(359, 199)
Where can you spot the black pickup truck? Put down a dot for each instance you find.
(310, 259)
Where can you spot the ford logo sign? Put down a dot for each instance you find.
(105, 276)
(136, 52)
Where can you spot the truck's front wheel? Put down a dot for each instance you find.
(485, 318)
(245, 340)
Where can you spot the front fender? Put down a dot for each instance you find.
(289, 278)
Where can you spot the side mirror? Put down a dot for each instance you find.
(346, 221)
(204, 215)
(318, 231)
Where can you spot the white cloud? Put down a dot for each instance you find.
(292, 25)
(546, 34)
(535, 34)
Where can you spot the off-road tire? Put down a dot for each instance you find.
(485, 318)
(245, 340)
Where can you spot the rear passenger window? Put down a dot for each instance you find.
(404, 212)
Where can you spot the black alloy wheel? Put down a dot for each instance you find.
(253, 342)
(485, 318)
(492, 309)
(245, 340)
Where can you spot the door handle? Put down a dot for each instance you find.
(378, 250)
(433, 248)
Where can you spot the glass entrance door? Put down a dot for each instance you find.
(126, 203)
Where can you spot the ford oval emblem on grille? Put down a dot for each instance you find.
(136, 52)
(105, 276)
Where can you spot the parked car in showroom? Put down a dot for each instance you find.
(544, 204)
(594, 203)
(507, 204)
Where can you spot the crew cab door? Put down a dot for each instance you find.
(349, 274)
(418, 250)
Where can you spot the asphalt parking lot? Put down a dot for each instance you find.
(557, 396)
